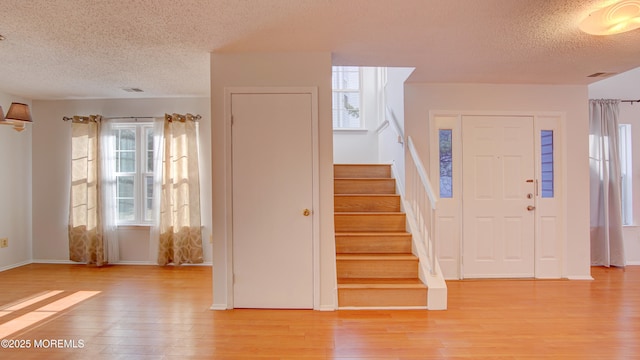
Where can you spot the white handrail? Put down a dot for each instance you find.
(423, 174)
(394, 122)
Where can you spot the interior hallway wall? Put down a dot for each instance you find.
(271, 70)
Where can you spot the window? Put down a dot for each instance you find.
(446, 161)
(134, 173)
(346, 97)
(546, 156)
(625, 173)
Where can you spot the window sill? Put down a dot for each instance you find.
(134, 227)
(350, 131)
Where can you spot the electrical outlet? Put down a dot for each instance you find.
(4, 242)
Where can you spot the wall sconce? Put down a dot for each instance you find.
(18, 116)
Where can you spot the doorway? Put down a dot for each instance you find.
(501, 203)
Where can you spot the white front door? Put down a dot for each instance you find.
(272, 186)
(498, 187)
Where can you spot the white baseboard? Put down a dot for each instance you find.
(13, 266)
(326, 308)
(206, 263)
(581, 277)
(382, 308)
(50, 261)
(69, 262)
(633, 263)
(141, 263)
(218, 307)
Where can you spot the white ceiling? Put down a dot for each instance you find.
(57, 49)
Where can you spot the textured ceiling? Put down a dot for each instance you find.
(57, 49)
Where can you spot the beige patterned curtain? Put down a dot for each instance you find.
(180, 233)
(85, 215)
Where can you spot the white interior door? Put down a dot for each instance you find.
(272, 186)
(498, 187)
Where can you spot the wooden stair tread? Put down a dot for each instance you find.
(361, 170)
(371, 195)
(371, 179)
(372, 213)
(364, 186)
(373, 233)
(383, 281)
(373, 242)
(381, 257)
(381, 286)
(367, 203)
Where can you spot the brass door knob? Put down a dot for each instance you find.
(531, 207)
(306, 212)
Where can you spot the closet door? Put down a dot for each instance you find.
(272, 166)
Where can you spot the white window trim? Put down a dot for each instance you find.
(362, 127)
(139, 175)
(626, 168)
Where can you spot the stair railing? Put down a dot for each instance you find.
(422, 205)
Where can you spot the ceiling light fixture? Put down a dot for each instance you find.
(18, 116)
(616, 18)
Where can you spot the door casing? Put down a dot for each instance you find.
(550, 226)
(313, 92)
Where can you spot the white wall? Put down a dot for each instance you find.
(570, 100)
(51, 171)
(391, 140)
(361, 146)
(15, 190)
(271, 69)
(625, 86)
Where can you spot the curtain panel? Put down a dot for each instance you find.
(85, 208)
(179, 229)
(607, 247)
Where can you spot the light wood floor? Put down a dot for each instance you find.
(148, 312)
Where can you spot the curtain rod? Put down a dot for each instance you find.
(67, 118)
(630, 101)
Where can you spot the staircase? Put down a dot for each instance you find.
(375, 266)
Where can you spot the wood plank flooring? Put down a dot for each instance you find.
(148, 312)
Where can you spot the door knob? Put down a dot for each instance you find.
(531, 207)
(306, 212)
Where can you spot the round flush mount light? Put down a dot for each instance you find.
(2, 37)
(616, 18)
